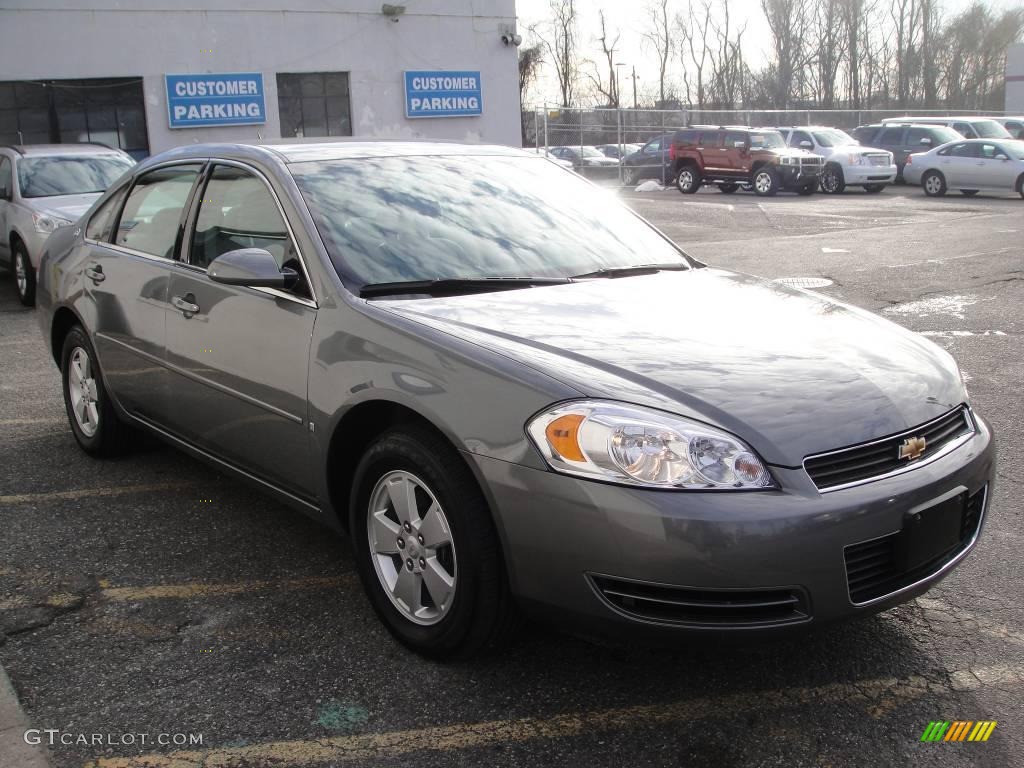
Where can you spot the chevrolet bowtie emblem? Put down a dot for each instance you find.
(912, 448)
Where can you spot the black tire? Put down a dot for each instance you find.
(111, 435)
(833, 182)
(688, 179)
(481, 614)
(1020, 186)
(808, 189)
(765, 182)
(934, 184)
(873, 189)
(23, 273)
(968, 192)
(629, 176)
(728, 189)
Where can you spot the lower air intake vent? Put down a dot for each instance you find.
(702, 607)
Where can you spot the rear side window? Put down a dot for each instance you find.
(102, 222)
(962, 150)
(152, 212)
(965, 129)
(891, 136)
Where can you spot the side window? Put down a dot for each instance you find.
(891, 137)
(991, 151)
(914, 136)
(965, 129)
(798, 137)
(238, 211)
(653, 146)
(102, 222)
(152, 212)
(964, 150)
(731, 137)
(6, 177)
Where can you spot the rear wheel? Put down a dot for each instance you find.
(766, 182)
(832, 180)
(629, 176)
(968, 192)
(728, 188)
(24, 274)
(688, 180)
(873, 189)
(934, 184)
(426, 548)
(94, 421)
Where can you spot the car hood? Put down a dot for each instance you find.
(70, 207)
(791, 372)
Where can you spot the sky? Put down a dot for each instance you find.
(631, 16)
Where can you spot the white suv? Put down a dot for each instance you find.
(43, 187)
(847, 163)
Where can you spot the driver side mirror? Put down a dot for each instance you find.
(926, 141)
(254, 267)
(807, 144)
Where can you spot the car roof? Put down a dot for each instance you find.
(807, 128)
(53, 150)
(936, 119)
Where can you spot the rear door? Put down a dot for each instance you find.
(239, 356)
(131, 251)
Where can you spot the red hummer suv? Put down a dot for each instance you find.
(730, 157)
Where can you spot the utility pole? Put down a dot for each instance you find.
(634, 89)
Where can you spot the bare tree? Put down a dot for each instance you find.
(788, 22)
(531, 58)
(727, 66)
(906, 16)
(560, 37)
(609, 90)
(832, 46)
(659, 36)
(694, 30)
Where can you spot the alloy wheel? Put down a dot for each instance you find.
(830, 181)
(412, 548)
(763, 182)
(20, 273)
(82, 388)
(933, 185)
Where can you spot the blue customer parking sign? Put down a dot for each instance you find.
(199, 101)
(443, 94)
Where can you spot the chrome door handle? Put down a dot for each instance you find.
(95, 274)
(186, 304)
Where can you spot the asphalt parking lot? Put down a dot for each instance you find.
(151, 595)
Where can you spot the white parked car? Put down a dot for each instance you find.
(1013, 124)
(847, 163)
(971, 165)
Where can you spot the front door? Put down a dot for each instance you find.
(127, 272)
(959, 165)
(238, 355)
(995, 169)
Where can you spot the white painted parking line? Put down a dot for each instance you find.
(958, 334)
(85, 493)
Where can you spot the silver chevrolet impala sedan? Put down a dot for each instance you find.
(513, 394)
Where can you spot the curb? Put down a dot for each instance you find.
(13, 724)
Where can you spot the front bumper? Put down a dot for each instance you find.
(560, 534)
(792, 176)
(855, 175)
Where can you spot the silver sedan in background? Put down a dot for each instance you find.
(971, 165)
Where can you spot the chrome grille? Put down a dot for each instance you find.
(870, 461)
(879, 159)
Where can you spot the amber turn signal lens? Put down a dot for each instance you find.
(562, 436)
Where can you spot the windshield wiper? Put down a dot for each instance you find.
(457, 285)
(639, 269)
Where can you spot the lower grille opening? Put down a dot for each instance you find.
(873, 567)
(703, 607)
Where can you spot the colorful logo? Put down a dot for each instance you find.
(958, 730)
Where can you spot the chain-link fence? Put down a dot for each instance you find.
(574, 127)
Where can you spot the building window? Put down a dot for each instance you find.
(314, 104)
(110, 111)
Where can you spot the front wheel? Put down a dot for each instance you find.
(934, 184)
(90, 410)
(766, 182)
(873, 189)
(24, 274)
(426, 549)
(687, 181)
(832, 180)
(629, 176)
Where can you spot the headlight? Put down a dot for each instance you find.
(638, 446)
(789, 161)
(45, 223)
(857, 159)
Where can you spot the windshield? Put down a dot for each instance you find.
(767, 140)
(834, 138)
(590, 152)
(69, 175)
(425, 218)
(945, 135)
(1015, 151)
(990, 129)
